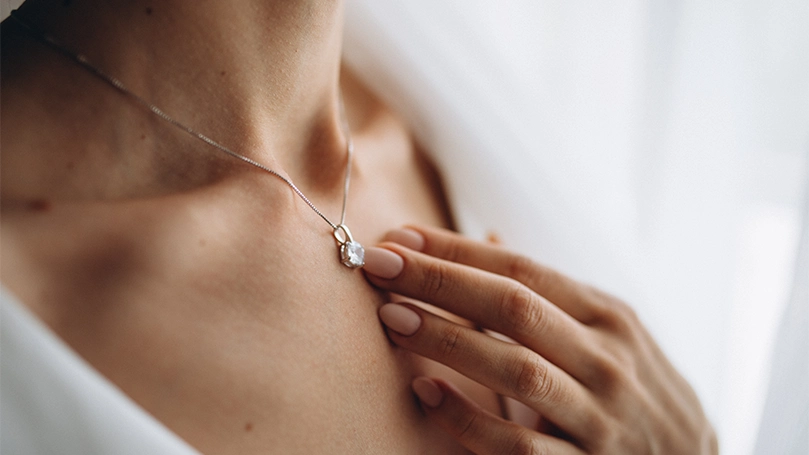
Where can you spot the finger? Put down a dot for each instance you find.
(490, 300)
(573, 297)
(478, 430)
(508, 369)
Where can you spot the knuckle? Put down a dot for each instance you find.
(522, 269)
(610, 377)
(434, 280)
(626, 312)
(521, 310)
(449, 340)
(524, 444)
(618, 317)
(530, 379)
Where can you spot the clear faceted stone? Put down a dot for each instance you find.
(352, 254)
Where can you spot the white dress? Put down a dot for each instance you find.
(55, 402)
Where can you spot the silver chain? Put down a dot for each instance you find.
(115, 82)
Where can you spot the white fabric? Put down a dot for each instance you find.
(785, 423)
(54, 402)
(655, 149)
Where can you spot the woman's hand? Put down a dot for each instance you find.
(584, 362)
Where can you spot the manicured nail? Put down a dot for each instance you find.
(383, 263)
(428, 392)
(400, 319)
(406, 237)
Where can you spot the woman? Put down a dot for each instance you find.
(213, 297)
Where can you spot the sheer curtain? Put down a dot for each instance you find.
(656, 149)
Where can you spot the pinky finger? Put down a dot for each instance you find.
(479, 430)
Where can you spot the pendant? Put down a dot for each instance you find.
(352, 254)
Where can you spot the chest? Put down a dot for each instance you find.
(233, 323)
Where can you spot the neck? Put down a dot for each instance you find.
(258, 76)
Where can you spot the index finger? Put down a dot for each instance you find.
(492, 301)
(576, 299)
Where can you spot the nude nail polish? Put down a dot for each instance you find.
(383, 263)
(428, 392)
(400, 319)
(406, 237)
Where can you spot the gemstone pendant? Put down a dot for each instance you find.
(352, 254)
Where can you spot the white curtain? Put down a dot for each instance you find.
(656, 149)
(784, 427)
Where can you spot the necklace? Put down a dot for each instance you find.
(352, 254)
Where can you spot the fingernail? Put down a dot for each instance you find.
(400, 319)
(383, 263)
(428, 392)
(406, 237)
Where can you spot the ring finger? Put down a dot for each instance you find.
(478, 430)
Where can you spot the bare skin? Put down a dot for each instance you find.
(203, 287)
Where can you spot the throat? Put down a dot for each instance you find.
(267, 91)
